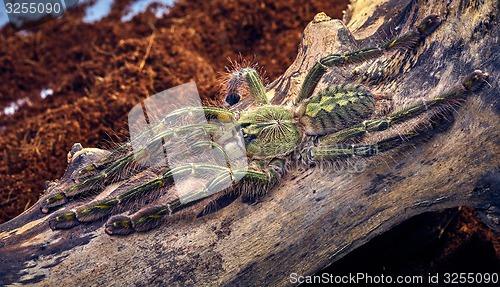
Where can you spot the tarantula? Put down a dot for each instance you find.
(319, 127)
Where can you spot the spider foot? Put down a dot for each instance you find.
(146, 219)
(63, 220)
(119, 225)
(53, 201)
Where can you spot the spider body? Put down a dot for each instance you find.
(273, 131)
(336, 108)
(269, 131)
(325, 126)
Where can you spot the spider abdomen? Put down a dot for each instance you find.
(336, 108)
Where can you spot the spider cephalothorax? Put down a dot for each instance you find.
(327, 125)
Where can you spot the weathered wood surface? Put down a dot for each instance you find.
(314, 217)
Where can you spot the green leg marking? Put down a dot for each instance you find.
(55, 200)
(250, 77)
(407, 40)
(471, 83)
(339, 151)
(220, 114)
(151, 216)
(63, 220)
(119, 166)
(95, 211)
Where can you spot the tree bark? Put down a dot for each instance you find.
(316, 215)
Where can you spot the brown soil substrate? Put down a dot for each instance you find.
(99, 72)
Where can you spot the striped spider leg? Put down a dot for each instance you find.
(328, 125)
(202, 137)
(333, 146)
(152, 215)
(406, 41)
(121, 163)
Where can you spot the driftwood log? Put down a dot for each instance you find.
(314, 217)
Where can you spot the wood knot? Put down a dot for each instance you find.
(321, 17)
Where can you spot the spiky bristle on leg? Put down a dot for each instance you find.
(331, 147)
(407, 40)
(243, 79)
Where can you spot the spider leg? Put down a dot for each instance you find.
(335, 151)
(407, 40)
(129, 163)
(113, 171)
(102, 208)
(450, 97)
(169, 120)
(251, 78)
(332, 148)
(221, 150)
(151, 216)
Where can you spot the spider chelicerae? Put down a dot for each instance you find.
(324, 126)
